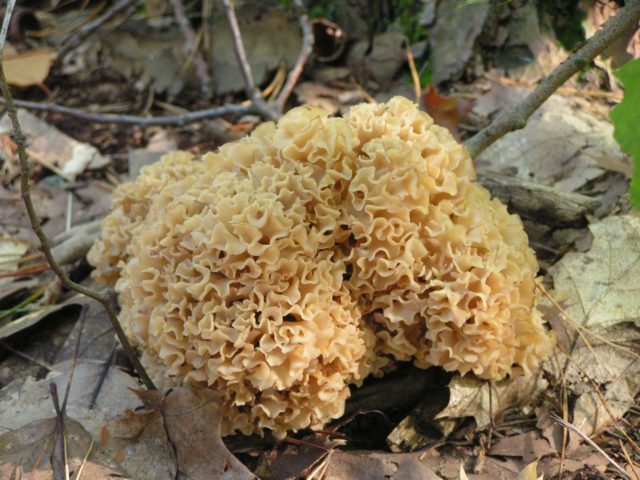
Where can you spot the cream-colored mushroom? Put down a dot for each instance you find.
(314, 252)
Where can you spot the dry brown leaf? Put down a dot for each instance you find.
(599, 288)
(27, 68)
(377, 466)
(528, 473)
(530, 446)
(9, 166)
(600, 292)
(50, 147)
(11, 251)
(25, 452)
(470, 397)
(178, 430)
(24, 401)
(42, 314)
(563, 145)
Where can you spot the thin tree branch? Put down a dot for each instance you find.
(305, 51)
(253, 93)
(576, 430)
(516, 117)
(58, 456)
(165, 120)
(201, 67)
(87, 30)
(106, 299)
(238, 47)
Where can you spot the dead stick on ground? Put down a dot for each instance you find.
(575, 429)
(58, 456)
(303, 56)
(201, 66)
(165, 120)
(253, 93)
(516, 117)
(106, 299)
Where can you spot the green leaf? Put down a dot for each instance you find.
(626, 121)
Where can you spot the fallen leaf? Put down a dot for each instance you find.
(97, 339)
(26, 451)
(563, 145)
(463, 474)
(377, 466)
(296, 461)
(446, 111)
(529, 472)
(599, 293)
(29, 67)
(530, 446)
(27, 400)
(470, 397)
(11, 251)
(42, 314)
(50, 147)
(598, 287)
(9, 165)
(329, 98)
(178, 430)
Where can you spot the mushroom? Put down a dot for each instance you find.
(297, 261)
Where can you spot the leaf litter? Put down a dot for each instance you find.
(599, 296)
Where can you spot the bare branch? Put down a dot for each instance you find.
(305, 51)
(87, 30)
(5, 25)
(516, 117)
(165, 120)
(106, 299)
(187, 31)
(253, 93)
(576, 430)
(238, 47)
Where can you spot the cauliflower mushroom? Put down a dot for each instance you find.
(295, 262)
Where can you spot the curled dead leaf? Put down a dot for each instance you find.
(27, 68)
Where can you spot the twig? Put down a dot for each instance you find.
(515, 117)
(105, 298)
(88, 29)
(103, 376)
(253, 93)
(575, 429)
(84, 460)
(164, 120)
(74, 360)
(238, 47)
(634, 469)
(200, 65)
(305, 51)
(58, 456)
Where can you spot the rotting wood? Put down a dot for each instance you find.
(540, 202)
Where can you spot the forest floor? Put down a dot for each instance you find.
(564, 174)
